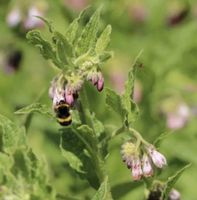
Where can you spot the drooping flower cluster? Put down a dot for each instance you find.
(66, 88)
(141, 163)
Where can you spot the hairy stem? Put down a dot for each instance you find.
(98, 161)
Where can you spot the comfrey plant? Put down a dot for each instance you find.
(79, 55)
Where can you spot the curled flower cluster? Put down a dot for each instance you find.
(67, 88)
(96, 78)
(141, 165)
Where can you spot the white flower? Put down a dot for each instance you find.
(14, 17)
(174, 195)
(158, 159)
(147, 168)
(136, 168)
(31, 20)
(58, 96)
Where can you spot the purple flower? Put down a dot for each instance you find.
(147, 168)
(158, 159)
(136, 168)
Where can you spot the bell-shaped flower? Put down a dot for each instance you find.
(158, 159)
(147, 167)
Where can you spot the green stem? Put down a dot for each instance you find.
(139, 137)
(97, 159)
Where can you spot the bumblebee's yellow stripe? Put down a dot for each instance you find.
(62, 105)
(62, 120)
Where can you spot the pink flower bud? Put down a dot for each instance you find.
(158, 159)
(69, 98)
(136, 169)
(147, 168)
(100, 83)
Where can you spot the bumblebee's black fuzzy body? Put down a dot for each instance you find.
(62, 111)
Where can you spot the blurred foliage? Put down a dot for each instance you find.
(167, 74)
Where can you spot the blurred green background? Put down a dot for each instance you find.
(165, 89)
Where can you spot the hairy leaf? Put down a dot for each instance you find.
(113, 100)
(103, 191)
(49, 24)
(104, 56)
(13, 137)
(103, 40)
(45, 47)
(127, 97)
(74, 141)
(171, 181)
(64, 48)
(74, 28)
(35, 107)
(88, 36)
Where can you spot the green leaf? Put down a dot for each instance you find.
(13, 137)
(103, 192)
(103, 40)
(64, 48)
(72, 31)
(88, 36)
(35, 107)
(113, 100)
(49, 24)
(6, 162)
(76, 142)
(171, 181)
(73, 28)
(45, 47)
(127, 97)
(103, 57)
(73, 160)
(98, 126)
(87, 133)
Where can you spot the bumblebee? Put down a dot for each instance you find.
(62, 110)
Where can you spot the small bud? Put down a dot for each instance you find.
(174, 195)
(147, 168)
(100, 83)
(158, 159)
(136, 169)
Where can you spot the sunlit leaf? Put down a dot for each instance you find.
(113, 101)
(171, 181)
(89, 34)
(45, 47)
(103, 40)
(35, 107)
(103, 191)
